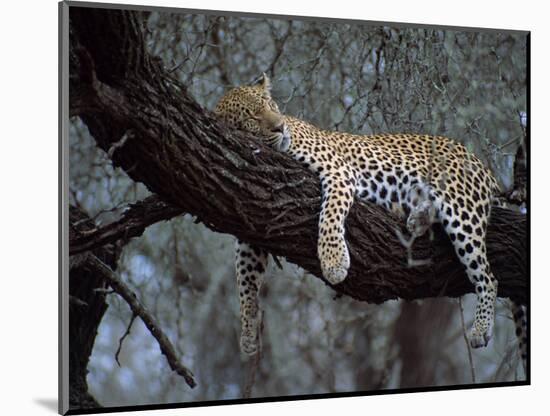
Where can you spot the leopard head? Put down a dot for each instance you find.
(252, 109)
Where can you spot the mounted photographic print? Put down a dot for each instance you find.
(265, 208)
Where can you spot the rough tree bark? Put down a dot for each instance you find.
(160, 136)
(133, 223)
(86, 308)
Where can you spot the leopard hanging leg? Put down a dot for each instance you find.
(338, 189)
(250, 266)
(338, 186)
(469, 245)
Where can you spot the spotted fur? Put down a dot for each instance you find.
(250, 264)
(430, 179)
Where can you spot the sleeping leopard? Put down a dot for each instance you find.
(428, 179)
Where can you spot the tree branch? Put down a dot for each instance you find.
(101, 270)
(133, 223)
(236, 185)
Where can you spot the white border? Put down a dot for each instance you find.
(29, 203)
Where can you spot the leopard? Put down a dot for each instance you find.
(429, 179)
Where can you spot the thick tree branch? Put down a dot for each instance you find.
(133, 223)
(236, 185)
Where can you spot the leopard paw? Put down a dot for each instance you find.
(480, 335)
(335, 275)
(335, 261)
(249, 343)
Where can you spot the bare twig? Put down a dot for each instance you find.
(121, 340)
(118, 145)
(408, 244)
(104, 291)
(73, 300)
(138, 309)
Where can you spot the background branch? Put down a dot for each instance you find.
(103, 271)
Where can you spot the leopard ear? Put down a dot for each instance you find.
(266, 84)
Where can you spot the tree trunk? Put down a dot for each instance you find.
(154, 130)
(86, 308)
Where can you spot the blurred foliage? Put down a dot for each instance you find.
(362, 78)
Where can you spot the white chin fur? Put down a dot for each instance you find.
(284, 144)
